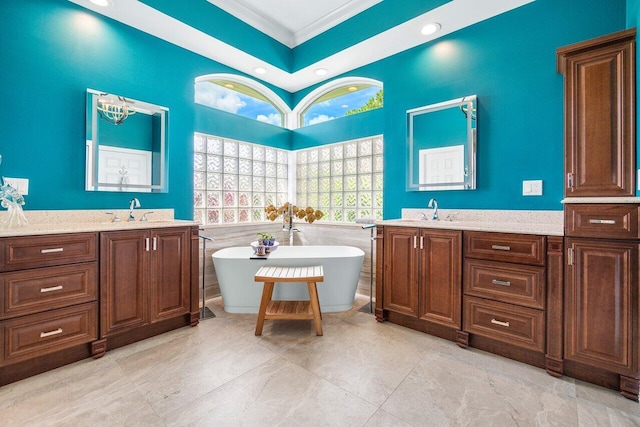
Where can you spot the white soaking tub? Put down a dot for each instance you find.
(240, 294)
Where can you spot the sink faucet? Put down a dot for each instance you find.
(133, 203)
(433, 203)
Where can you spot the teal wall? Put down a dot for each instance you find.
(53, 50)
(509, 62)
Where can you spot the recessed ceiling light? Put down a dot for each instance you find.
(321, 72)
(228, 86)
(103, 3)
(260, 70)
(352, 89)
(430, 28)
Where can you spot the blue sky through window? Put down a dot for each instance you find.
(335, 107)
(234, 101)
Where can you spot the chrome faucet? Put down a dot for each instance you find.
(433, 203)
(133, 203)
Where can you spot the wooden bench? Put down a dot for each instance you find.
(270, 309)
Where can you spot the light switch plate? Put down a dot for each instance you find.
(20, 184)
(532, 188)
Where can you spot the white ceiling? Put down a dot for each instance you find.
(294, 22)
(452, 16)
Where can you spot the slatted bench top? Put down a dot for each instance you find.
(290, 274)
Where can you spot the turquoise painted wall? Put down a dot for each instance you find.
(509, 63)
(52, 51)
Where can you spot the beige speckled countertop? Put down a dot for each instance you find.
(548, 223)
(80, 221)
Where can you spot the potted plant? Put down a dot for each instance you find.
(267, 239)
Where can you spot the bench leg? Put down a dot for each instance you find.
(267, 293)
(315, 306)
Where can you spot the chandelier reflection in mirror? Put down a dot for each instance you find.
(114, 109)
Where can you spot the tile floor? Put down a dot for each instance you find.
(360, 373)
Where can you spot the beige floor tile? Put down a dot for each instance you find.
(361, 372)
(276, 393)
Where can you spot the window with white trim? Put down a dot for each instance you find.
(234, 180)
(343, 179)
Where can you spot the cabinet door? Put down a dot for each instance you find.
(440, 278)
(600, 116)
(170, 274)
(400, 270)
(123, 276)
(601, 304)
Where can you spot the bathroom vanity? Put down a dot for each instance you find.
(496, 286)
(75, 290)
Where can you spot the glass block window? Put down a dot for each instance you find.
(234, 180)
(344, 180)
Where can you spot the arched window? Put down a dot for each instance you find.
(242, 96)
(339, 98)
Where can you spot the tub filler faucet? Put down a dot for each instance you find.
(433, 203)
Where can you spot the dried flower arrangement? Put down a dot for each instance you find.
(308, 214)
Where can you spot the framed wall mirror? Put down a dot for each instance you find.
(441, 144)
(126, 144)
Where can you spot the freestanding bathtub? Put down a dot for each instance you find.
(240, 294)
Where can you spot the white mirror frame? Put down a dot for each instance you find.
(467, 103)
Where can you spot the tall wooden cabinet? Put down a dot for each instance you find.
(601, 301)
(422, 279)
(599, 94)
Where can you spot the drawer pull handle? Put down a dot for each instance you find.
(50, 251)
(48, 334)
(602, 221)
(501, 247)
(500, 282)
(51, 289)
(498, 322)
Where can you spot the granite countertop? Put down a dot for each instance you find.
(548, 223)
(81, 221)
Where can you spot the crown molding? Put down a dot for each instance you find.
(245, 13)
(332, 19)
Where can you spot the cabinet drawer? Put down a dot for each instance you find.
(41, 289)
(511, 283)
(517, 248)
(18, 253)
(40, 334)
(508, 323)
(601, 220)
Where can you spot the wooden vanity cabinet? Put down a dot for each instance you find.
(599, 93)
(422, 279)
(48, 302)
(602, 323)
(145, 281)
(505, 295)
